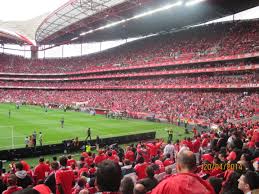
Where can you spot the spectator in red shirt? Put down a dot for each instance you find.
(255, 136)
(186, 164)
(91, 186)
(130, 155)
(26, 166)
(92, 170)
(112, 157)
(100, 157)
(42, 189)
(70, 160)
(168, 161)
(83, 168)
(89, 159)
(204, 143)
(140, 168)
(196, 149)
(64, 178)
(153, 148)
(143, 152)
(108, 177)
(12, 185)
(195, 131)
(150, 182)
(41, 170)
(189, 144)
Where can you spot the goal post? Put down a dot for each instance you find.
(7, 137)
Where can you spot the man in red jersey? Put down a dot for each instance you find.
(26, 166)
(70, 160)
(143, 152)
(185, 181)
(100, 157)
(153, 147)
(12, 185)
(129, 155)
(64, 178)
(41, 170)
(196, 148)
(140, 168)
(112, 157)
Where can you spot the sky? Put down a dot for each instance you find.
(19, 10)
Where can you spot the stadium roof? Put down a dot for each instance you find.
(13, 38)
(26, 29)
(101, 20)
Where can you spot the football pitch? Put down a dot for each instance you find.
(23, 121)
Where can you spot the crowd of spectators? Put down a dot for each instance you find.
(215, 107)
(246, 78)
(178, 67)
(212, 40)
(224, 161)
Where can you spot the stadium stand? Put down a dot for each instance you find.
(204, 41)
(103, 88)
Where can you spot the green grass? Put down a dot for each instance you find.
(29, 118)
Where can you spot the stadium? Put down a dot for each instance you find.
(135, 96)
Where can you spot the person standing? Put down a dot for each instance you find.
(64, 178)
(98, 141)
(34, 138)
(9, 113)
(185, 123)
(178, 121)
(40, 138)
(88, 134)
(169, 149)
(41, 170)
(62, 122)
(26, 141)
(170, 134)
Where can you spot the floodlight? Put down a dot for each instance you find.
(134, 17)
(194, 2)
(83, 33)
(157, 10)
(74, 38)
